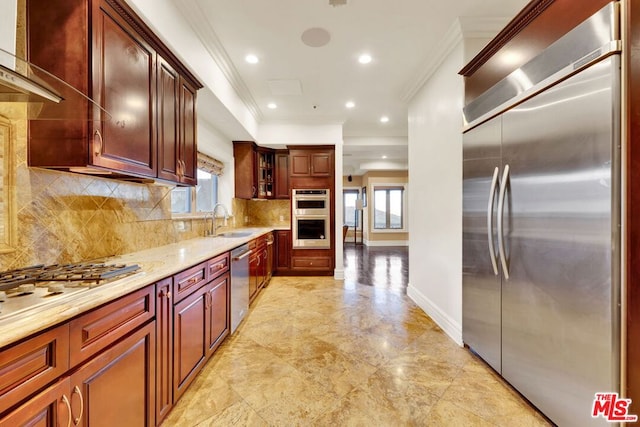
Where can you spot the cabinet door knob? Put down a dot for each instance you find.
(65, 400)
(77, 391)
(97, 143)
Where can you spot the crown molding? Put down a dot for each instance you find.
(462, 28)
(195, 16)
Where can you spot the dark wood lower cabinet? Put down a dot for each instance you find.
(189, 340)
(164, 349)
(283, 251)
(117, 387)
(27, 367)
(50, 408)
(119, 376)
(201, 321)
(269, 259)
(254, 266)
(219, 318)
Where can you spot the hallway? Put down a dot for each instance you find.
(320, 352)
(379, 266)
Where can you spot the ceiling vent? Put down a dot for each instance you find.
(337, 2)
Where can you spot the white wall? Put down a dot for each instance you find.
(435, 174)
(338, 272)
(213, 143)
(289, 134)
(224, 107)
(8, 30)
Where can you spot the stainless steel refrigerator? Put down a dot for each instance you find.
(541, 223)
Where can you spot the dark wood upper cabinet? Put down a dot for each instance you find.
(168, 136)
(310, 163)
(244, 157)
(104, 50)
(282, 174)
(300, 163)
(265, 166)
(540, 23)
(260, 173)
(188, 158)
(123, 76)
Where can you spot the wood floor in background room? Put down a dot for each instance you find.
(319, 352)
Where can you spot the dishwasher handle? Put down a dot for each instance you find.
(244, 255)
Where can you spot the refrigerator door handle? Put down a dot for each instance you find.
(492, 192)
(501, 250)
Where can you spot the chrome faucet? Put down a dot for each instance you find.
(213, 231)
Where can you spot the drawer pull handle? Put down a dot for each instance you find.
(77, 391)
(66, 402)
(192, 281)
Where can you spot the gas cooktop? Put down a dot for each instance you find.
(27, 288)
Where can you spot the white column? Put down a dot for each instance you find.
(338, 273)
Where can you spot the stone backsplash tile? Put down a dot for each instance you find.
(60, 217)
(269, 212)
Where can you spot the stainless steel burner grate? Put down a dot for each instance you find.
(85, 272)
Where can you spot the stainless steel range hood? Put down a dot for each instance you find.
(46, 96)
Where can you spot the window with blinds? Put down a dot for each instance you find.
(204, 196)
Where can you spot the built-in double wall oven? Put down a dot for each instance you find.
(311, 218)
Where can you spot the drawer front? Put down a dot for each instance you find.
(97, 329)
(27, 367)
(186, 282)
(47, 408)
(311, 263)
(218, 265)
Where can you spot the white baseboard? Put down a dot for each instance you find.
(386, 242)
(338, 274)
(448, 325)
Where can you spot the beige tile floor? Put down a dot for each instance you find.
(319, 352)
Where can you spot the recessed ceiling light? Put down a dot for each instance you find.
(384, 119)
(350, 104)
(365, 58)
(251, 59)
(272, 105)
(384, 157)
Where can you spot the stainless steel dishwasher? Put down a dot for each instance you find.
(239, 284)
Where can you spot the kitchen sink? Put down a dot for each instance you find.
(231, 234)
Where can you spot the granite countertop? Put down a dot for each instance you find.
(155, 264)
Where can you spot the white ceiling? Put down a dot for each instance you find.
(402, 36)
